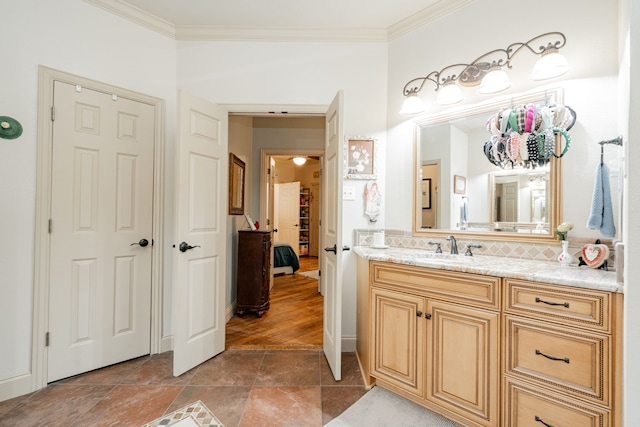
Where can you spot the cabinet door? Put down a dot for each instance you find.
(463, 361)
(397, 338)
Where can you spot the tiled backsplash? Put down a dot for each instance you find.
(536, 251)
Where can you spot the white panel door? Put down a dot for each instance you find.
(288, 214)
(314, 219)
(331, 260)
(200, 273)
(101, 210)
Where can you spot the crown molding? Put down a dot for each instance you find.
(425, 16)
(134, 14)
(213, 33)
(216, 33)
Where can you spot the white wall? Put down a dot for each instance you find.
(74, 37)
(629, 92)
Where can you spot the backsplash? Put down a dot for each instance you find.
(525, 250)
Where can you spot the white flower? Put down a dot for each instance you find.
(565, 227)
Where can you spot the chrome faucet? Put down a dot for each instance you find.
(454, 244)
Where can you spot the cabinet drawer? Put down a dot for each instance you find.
(528, 406)
(567, 305)
(569, 360)
(466, 288)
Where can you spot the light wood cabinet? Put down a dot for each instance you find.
(562, 360)
(490, 351)
(431, 345)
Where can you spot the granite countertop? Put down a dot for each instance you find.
(515, 268)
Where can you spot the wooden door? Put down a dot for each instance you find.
(397, 340)
(200, 259)
(463, 361)
(331, 258)
(101, 215)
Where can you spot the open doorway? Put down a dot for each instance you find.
(295, 317)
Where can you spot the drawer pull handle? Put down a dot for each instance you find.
(538, 419)
(564, 304)
(564, 359)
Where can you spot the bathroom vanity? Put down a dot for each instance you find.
(491, 341)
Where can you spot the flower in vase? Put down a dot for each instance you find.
(562, 231)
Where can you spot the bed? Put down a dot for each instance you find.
(285, 260)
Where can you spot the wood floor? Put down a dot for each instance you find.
(294, 320)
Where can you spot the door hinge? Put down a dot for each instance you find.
(53, 113)
(269, 171)
(50, 225)
(46, 339)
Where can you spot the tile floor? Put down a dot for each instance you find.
(242, 388)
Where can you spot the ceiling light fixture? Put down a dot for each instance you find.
(299, 160)
(488, 72)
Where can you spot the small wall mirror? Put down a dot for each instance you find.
(457, 189)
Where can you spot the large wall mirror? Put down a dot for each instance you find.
(457, 190)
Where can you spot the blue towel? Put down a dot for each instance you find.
(601, 217)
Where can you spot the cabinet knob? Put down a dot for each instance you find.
(427, 316)
(419, 313)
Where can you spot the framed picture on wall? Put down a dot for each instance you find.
(426, 193)
(236, 185)
(359, 158)
(459, 184)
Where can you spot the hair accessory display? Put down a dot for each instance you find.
(528, 135)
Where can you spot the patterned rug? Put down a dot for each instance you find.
(193, 415)
(313, 274)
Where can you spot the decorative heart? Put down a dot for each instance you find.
(595, 255)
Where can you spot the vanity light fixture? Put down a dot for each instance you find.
(488, 71)
(299, 160)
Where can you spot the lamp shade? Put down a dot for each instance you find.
(551, 65)
(412, 105)
(299, 161)
(449, 94)
(495, 81)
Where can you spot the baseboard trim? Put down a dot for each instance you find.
(16, 386)
(348, 344)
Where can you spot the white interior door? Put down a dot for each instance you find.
(331, 260)
(287, 202)
(200, 272)
(101, 210)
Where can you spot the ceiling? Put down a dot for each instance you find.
(286, 20)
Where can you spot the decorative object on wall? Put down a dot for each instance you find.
(529, 135)
(359, 158)
(488, 71)
(459, 184)
(372, 200)
(426, 193)
(236, 185)
(601, 215)
(10, 128)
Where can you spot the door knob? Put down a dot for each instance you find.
(142, 242)
(334, 249)
(184, 247)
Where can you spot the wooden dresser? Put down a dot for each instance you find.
(254, 259)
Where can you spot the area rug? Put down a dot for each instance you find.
(193, 415)
(381, 408)
(313, 274)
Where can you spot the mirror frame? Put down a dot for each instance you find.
(550, 96)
